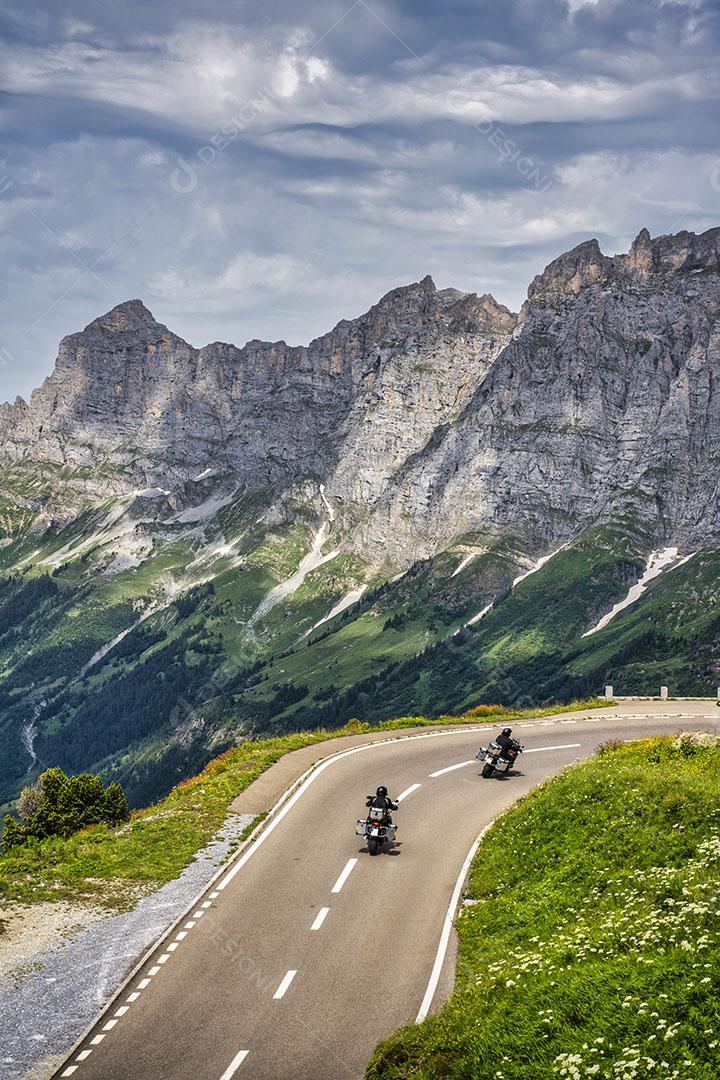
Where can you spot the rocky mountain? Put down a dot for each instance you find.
(427, 507)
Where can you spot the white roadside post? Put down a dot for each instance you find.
(663, 693)
(609, 693)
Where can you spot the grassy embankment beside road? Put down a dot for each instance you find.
(113, 867)
(590, 946)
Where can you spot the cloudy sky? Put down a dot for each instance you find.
(262, 168)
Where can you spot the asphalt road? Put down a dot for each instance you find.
(308, 951)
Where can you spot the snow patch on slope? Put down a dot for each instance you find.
(516, 581)
(463, 563)
(347, 601)
(657, 562)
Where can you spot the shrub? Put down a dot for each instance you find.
(60, 805)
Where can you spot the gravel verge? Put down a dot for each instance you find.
(52, 992)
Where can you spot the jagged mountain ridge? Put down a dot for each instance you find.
(434, 414)
(129, 392)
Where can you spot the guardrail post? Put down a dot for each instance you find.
(609, 693)
(663, 693)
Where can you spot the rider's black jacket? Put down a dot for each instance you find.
(505, 742)
(382, 802)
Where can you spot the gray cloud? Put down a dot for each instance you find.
(265, 170)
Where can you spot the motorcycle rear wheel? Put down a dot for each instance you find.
(488, 770)
(373, 845)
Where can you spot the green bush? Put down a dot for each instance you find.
(60, 805)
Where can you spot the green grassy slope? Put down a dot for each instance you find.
(590, 947)
(529, 647)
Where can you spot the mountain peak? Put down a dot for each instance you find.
(132, 315)
(571, 272)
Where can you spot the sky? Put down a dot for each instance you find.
(263, 168)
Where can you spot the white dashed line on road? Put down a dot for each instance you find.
(234, 1065)
(283, 987)
(320, 918)
(451, 768)
(564, 746)
(349, 867)
(407, 791)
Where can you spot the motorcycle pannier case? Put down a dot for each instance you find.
(361, 827)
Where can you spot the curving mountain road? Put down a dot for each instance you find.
(307, 951)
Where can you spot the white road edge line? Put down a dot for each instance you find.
(563, 746)
(320, 918)
(349, 867)
(451, 768)
(447, 927)
(407, 791)
(234, 1065)
(283, 987)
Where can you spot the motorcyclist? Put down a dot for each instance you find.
(381, 801)
(507, 744)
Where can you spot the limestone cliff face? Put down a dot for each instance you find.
(606, 403)
(434, 414)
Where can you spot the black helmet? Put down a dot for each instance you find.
(381, 790)
(507, 731)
